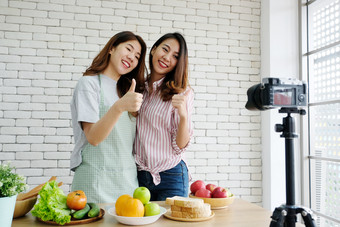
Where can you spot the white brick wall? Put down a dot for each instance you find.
(46, 45)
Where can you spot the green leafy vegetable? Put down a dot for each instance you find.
(52, 204)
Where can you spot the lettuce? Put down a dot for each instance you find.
(52, 204)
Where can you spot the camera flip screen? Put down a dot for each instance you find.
(284, 96)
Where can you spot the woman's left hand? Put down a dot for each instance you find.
(180, 103)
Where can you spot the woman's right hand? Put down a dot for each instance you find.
(96, 132)
(131, 101)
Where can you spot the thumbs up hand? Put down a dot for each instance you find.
(179, 102)
(133, 86)
(132, 100)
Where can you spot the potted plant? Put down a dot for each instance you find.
(11, 184)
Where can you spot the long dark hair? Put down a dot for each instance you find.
(101, 61)
(175, 81)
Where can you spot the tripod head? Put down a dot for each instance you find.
(288, 126)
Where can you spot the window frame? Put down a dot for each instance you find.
(306, 157)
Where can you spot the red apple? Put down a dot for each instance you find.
(210, 187)
(220, 192)
(203, 192)
(194, 187)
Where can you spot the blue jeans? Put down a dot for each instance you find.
(174, 182)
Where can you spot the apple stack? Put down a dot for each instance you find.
(189, 208)
(199, 189)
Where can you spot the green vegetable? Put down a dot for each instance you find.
(52, 204)
(80, 214)
(94, 212)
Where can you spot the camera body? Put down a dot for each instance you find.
(276, 92)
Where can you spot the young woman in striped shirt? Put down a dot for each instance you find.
(164, 127)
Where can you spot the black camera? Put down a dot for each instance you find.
(275, 92)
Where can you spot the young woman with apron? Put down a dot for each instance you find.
(102, 108)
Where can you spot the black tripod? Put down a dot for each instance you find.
(285, 215)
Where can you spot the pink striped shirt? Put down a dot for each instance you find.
(155, 145)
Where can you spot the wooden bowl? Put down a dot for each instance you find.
(216, 203)
(24, 206)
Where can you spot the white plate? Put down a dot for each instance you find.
(136, 220)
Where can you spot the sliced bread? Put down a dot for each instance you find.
(187, 212)
(200, 209)
(184, 201)
(183, 207)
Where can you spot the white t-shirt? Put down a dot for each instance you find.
(85, 108)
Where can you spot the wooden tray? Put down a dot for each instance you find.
(168, 215)
(216, 203)
(78, 222)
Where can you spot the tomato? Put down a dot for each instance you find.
(76, 200)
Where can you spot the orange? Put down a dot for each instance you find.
(120, 203)
(132, 208)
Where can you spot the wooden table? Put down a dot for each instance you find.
(239, 214)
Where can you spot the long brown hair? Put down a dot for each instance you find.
(175, 81)
(101, 61)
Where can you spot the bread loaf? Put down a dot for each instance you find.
(184, 201)
(183, 207)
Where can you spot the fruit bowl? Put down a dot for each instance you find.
(216, 203)
(23, 207)
(136, 220)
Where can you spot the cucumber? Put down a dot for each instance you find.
(80, 214)
(94, 212)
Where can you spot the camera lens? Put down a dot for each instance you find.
(254, 98)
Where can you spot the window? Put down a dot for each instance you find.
(320, 30)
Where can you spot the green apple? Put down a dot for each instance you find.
(151, 209)
(143, 194)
